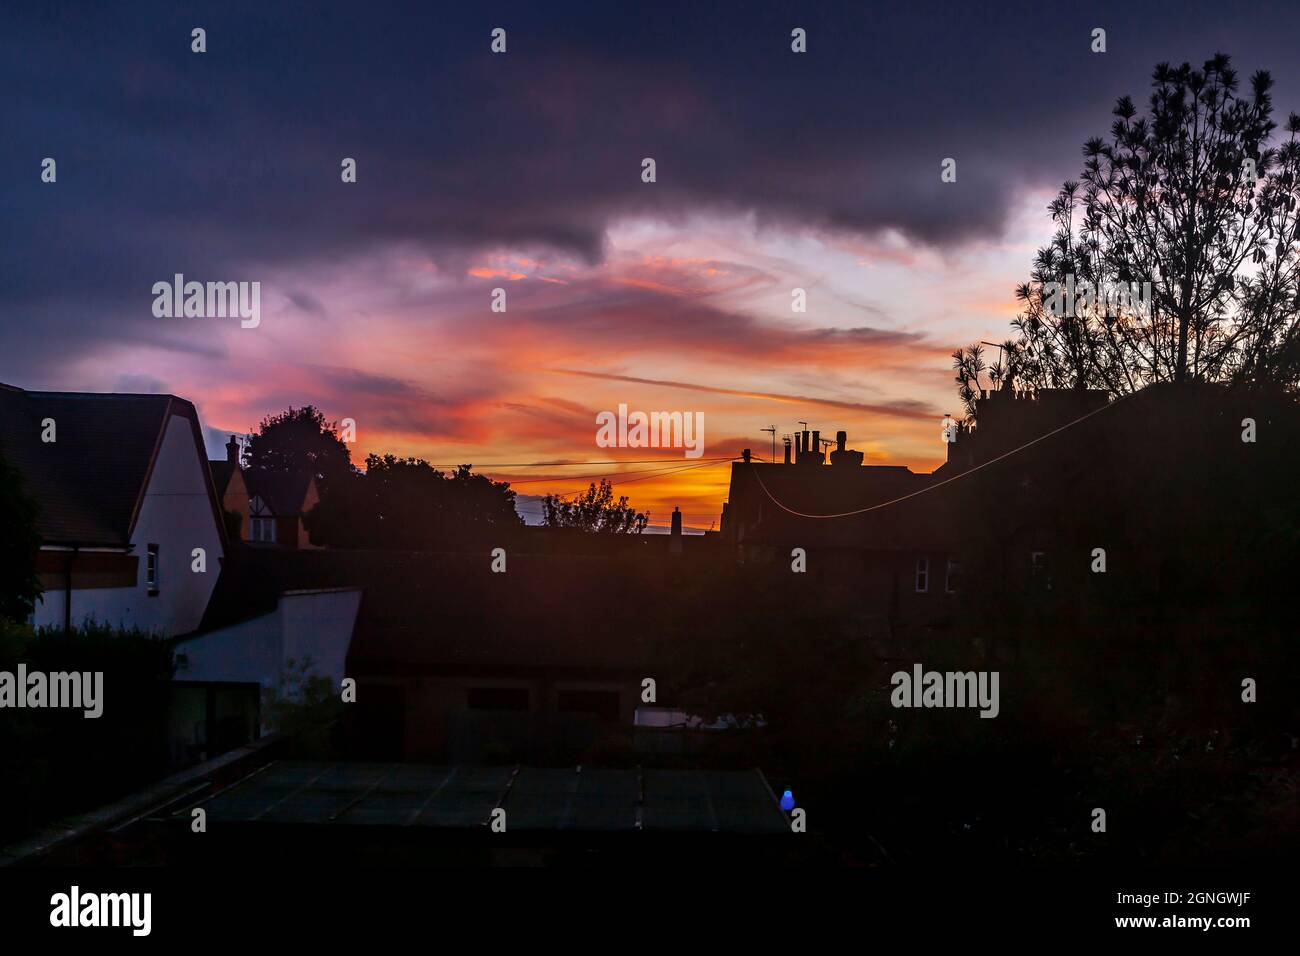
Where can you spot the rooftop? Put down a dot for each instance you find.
(434, 609)
(534, 798)
(89, 481)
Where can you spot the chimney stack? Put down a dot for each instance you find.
(675, 534)
(787, 449)
(842, 455)
(746, 455)
(817, 447)
(232, 451)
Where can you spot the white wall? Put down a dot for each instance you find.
(317, 626)
(306, 625)
(250, 652)
(177, 516)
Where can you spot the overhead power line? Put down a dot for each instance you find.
(658, 474)
(615, 474)
(964, 474)
(572, 464)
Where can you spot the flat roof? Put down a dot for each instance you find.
(534, 798)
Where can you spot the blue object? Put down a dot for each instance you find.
(787, 801)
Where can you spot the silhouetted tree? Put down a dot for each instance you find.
(595, 510)
(406, 503)
(299, 440)
(53, 761)
(1194, 200)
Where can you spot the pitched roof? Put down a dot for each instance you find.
(89, 482)
(222, 469)
(284, 493)
(761, 493)
(450, 611)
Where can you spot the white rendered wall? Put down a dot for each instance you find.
(177, 516)
(314, 626)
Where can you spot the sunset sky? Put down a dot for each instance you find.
(523, 171)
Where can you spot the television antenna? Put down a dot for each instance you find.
(1001, 348)
(772, 429)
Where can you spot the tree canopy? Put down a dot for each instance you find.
(406, 503)
(1176, 255)
(595, 511)
(299, 440)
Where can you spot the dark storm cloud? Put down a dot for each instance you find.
(389, 403)
(223, 164)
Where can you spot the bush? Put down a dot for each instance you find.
(56, 762)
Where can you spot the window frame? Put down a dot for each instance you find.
(152, 565)
(1040, 570)
(921, 577)
(262, 529)
(491, 698)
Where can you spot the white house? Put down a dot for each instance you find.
(131, 527)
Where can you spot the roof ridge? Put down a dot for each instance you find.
(55, 394)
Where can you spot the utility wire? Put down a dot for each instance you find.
(964, 474)
(570, 464)
(658, 474)
(615, 474)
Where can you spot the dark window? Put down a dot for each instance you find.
(261, 529)
(954, 576)
(922, 575)
(151, 569)
(602, 703)
(497, 698)
(1039, 572)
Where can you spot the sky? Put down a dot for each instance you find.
(522, 171)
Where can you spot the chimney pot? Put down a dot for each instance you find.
(232, 451)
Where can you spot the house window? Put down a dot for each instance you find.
(261, 529)
(602, 703)
(497, 698)
(151, 569)
(954, 575)
(922, 575)
(1038, 570)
